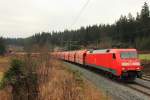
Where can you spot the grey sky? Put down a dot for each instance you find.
(23, 18)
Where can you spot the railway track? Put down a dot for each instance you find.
(146, 77)
(140, 88)
(143, 85)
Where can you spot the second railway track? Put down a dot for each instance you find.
(141, 88)
(146, 77)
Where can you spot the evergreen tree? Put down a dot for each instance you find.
(145, 13)
(137, 16)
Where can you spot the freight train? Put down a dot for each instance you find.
(120, 63)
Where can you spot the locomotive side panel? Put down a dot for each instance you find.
(103, 61)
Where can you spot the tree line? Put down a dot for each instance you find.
(2, 46)
(127, 31)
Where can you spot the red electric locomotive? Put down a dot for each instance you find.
(122, 63)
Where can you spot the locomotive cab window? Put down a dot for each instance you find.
(91, 51)
(129, 54)
(114, 56)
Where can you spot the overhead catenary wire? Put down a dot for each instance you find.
(80, 13)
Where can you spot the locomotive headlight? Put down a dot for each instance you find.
(125, 64)
(123, 68)
(138, 68)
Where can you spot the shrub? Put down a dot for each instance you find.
(14, 74)
(21, 78)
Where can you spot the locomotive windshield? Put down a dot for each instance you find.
(129, 54)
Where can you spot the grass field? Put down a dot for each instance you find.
(4, 65)
(144, 56)
(54, 82)
(4, 59)
(1, 75)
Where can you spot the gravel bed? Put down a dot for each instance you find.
(116, 90)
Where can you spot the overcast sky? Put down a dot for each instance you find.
(23, 18)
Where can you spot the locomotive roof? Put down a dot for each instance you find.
(110, 50)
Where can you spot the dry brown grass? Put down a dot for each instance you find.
(56, 82)
(92, 93)
(62, 84)
(4, 63)
(5, 94)
(59, 86)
